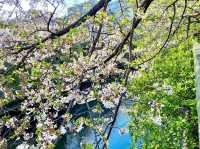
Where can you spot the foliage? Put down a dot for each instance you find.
(88, 146)
(164, 114)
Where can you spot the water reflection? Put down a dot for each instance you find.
(119, 139)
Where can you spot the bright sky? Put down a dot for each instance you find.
(25, 6)
(5, 9)
(72, 2)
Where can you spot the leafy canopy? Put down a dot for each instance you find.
(164, 114)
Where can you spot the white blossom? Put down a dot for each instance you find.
(63, 130)
(23, 146)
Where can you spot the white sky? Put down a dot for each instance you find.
(25, 4)
(5, 9)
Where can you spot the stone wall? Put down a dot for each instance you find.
(196, 48)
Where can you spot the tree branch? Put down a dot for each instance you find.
(65, 30)
(136, 20)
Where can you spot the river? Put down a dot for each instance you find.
(120, 138)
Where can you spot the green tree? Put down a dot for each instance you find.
(164, 114)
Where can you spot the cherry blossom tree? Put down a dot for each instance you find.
(62, 71)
